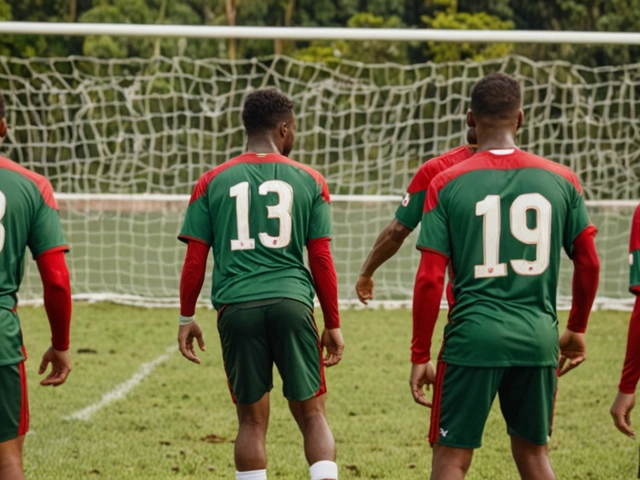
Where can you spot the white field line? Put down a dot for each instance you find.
(123, 389)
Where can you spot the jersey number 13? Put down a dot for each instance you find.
(540, 236)
(281, 211)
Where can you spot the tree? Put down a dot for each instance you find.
(448, 17)
(363, 51)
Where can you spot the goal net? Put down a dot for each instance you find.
(124, 141)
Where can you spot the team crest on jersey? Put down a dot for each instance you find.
(405, 200)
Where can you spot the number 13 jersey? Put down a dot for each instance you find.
(258, 211)
(502, 218)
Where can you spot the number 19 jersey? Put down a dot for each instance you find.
(502, 220)
(258, 211)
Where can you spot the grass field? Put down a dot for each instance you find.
(179, 422)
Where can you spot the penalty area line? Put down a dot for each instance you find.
(123, 389)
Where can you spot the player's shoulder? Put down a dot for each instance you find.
(516, 160)
(39, 181)
(431, 168)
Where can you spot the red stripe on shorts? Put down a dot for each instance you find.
(323, 385)
(434, 429)
(553, 408)
(23, 428)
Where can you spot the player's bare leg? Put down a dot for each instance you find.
(532, 460)
(311, 417)
(11, 459)
(450, 463)
(253, 419)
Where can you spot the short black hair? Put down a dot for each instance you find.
(265, 109)
(496, 96)
(2, 110)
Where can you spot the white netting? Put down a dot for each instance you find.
(153, 126)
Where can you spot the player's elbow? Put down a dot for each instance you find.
(397, 232)
(56, 280)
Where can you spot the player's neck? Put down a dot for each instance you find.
(498, 140)
(263, 144)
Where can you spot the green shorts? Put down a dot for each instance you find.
(14, 403)
(255, 335)
(463, 396)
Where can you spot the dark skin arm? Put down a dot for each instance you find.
(386, 246)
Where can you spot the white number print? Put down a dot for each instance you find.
(540, 236)
(3, 208)
(241, 194)
(489, 208)
(281, 211)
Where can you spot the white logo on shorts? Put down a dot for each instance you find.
(443, 432)
(406, 199)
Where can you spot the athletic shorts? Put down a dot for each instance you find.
(14, 403)
(463, 396)
(255, 335)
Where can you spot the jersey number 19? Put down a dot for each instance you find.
(282, 211)
(540, 236)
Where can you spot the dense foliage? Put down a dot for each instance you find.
(590, 15)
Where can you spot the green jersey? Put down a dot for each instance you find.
(258, 211)
(28, 218)
(502, 220)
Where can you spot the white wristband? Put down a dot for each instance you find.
(187, 320)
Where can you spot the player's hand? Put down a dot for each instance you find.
(60, 367)
(364, 288)
(573, 348)
(186, 334)
(334, 344)
(421, 375)
(621, 413)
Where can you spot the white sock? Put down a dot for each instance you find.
(324, 469)
(252, 475)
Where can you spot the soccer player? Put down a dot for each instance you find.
(28, 218)
(408, 214)
(500, 220)
(257, 211)
(626, 399)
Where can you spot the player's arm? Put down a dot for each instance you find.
(326, 286)
(626, 398)
(323, 272)
(197, 233)
(427, 293)
(407, 218)
(48, 246)
(57, 303)
(435, 250)
(191, 281)
(386, 246)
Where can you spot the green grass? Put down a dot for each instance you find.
(159, 429)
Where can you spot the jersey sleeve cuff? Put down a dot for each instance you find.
(432, 250)
(59, 248)
(420, 358)
(189, 238)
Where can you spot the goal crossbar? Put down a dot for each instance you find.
(319, 33)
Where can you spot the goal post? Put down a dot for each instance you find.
(124, 141)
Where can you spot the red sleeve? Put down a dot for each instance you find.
(427, 294)
(325, 280)
(631, 369)
(586, 270)
(192, 278)
(57, 296)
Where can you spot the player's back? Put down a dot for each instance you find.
(263, 209)
(509, 216)
(28, 218)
